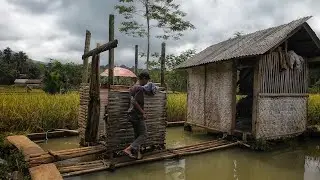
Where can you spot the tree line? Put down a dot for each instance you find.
(14, 65)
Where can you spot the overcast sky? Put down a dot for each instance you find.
(56, 28)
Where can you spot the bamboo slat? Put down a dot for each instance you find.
(277, 82)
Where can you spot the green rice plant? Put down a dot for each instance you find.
(36, 112)
(314, 109)
(176, 107)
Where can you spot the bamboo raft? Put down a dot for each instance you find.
(47, 164)
(111, 164)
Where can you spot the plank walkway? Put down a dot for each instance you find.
(100, 165)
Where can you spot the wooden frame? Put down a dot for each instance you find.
(234, 96)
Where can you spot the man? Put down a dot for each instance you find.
(136, 116)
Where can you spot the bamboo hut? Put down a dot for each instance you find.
(268, 67)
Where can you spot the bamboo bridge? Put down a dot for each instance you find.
(45, 164)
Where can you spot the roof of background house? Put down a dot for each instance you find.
(28, 81)
(34, 81)
(20, 81)
(252, 44)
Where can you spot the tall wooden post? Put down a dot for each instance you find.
(91, 132)
(85, 60)
(111, 51)
(162, 59)
(136, 60)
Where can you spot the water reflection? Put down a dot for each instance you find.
(175, 169)
(312, 168)
(235, 170)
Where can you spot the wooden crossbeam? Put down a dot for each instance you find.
(105, 47)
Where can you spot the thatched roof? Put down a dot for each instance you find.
(258, 43)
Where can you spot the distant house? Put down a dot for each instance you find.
(28, 82)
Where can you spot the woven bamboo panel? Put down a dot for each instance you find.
(103, 104)
(218, 97)
(210, 96)
(196, 84)
(281, 117)
(83, 110)
(119, 131)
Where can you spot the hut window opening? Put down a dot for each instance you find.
(244, 97)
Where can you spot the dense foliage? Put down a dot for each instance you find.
(62, 77)
(175, 79)
(14, 64)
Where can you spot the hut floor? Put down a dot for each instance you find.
(99, 165)
(244, 124)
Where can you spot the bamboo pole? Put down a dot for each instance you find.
(162, 59)
(208, 149)
(136, 59)
(91, 132)
(111, 51)
(105, 47)
(76, 173)
(85, 60)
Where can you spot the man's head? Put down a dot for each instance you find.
(143, 78)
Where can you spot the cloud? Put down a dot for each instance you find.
(56, 29)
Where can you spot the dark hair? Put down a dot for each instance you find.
(144, 75)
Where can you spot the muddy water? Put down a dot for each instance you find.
(238, 164)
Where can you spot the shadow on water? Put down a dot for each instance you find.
(302, 162)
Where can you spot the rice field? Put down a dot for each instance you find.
(34, 112)
(37, 112)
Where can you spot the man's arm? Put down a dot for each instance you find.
(138, 107)
(135, 103)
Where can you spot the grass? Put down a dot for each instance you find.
(37, 112)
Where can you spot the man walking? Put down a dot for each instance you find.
(136, 116)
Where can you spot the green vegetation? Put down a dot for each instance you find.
(11, 160)
(177, 107)
(34, 112)
(61, 77)
(13, 64)
(314, 109)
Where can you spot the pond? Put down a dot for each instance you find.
(235, 163)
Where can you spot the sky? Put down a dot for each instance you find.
(56, 29)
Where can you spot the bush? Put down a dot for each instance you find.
(13, 160)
